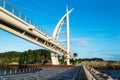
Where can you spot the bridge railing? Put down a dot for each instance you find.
(20, 15)
(17, 13)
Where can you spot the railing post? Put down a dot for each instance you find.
(4, 4)
(15, 71)
(23, 70)
(29, 69)
(13, 10)
(4, 72)
(25, 18)
(26, 69)
(19, 15)
(10, 71)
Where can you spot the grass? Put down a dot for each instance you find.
(102, 64)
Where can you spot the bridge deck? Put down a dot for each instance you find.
(59, 73)
(13, 21)
(46, 73)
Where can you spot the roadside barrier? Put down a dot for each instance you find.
(20, 71)
(93, 74)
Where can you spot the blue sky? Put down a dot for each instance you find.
(94, 25)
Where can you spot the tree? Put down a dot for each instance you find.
(35, 56)
(61, 59)
(31, 56)
(72, 60)
(5, 62)
(75, 54)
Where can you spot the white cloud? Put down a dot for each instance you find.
(81, 42)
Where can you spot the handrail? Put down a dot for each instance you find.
(17, 13)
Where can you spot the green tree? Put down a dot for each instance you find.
(5, 62)
(75, 54)
(61, 59)
(72, 60)
(35, 56)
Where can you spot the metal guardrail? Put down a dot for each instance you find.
(17, 13)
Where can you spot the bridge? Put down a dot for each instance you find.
(13, 21)
(56, 73)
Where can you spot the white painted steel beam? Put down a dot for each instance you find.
(57, 31)
(8, 21)
(13, 24)
(59, 25)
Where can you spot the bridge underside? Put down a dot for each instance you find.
(15, 25)
(22, 34)
(20, 28)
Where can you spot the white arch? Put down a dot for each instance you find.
(59, 25)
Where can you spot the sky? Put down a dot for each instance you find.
(94, 26)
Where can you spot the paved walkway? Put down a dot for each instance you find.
(64, 73)
(72, 74)
(82, 74)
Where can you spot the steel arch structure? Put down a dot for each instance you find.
(16, 23)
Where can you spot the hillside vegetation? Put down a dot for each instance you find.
(42, 56)
(27, 57)
(100, 64)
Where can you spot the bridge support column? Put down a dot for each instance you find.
(68, 59)
(54, 59)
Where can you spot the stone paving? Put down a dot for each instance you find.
(72, 74)
(64, 73)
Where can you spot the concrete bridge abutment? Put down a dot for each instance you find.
(54, 58)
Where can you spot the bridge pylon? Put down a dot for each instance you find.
(56, 32)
